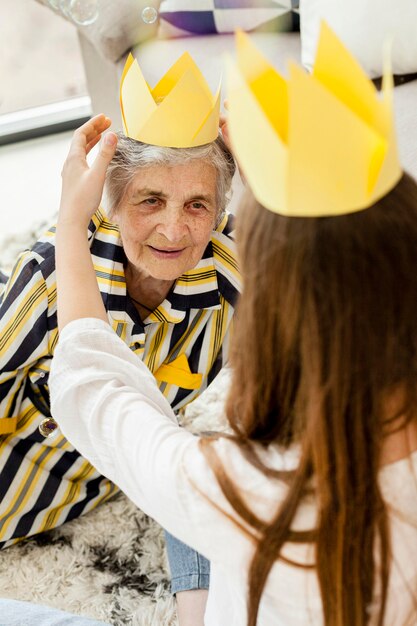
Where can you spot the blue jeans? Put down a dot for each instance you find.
(189, 570)
(16, 613)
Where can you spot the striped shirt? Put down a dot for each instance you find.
(184, 342)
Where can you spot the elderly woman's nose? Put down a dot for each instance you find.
(173, 226)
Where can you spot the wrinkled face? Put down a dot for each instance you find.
(167, 216)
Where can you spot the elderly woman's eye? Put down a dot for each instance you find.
(197, 205)
(151, 201)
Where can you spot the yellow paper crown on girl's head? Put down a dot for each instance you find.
(179, 112)
(313, 145)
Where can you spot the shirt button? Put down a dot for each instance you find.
(48, 427)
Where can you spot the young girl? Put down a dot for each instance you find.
(308, 513)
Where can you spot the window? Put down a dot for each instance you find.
(43, 87)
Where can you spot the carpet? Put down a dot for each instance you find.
(109, 564)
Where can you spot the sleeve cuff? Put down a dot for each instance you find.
(84, 323)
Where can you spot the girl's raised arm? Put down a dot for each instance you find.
(82, 189)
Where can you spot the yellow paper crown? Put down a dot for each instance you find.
(179, 112)
(314, 145)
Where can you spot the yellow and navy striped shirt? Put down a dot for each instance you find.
(184, 342)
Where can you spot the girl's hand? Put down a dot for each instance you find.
(82, 185)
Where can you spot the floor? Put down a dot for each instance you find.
(30, 181)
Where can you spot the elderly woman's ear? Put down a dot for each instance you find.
(224, 128)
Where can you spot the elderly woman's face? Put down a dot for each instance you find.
(167, 217)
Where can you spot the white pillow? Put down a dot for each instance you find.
(180, 18)
(364, 26)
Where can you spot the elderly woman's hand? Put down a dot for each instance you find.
(82, 185)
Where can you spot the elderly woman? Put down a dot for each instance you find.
(167, 273)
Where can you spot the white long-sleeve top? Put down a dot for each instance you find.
(108, 405)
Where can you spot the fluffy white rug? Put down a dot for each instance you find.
(109, 564)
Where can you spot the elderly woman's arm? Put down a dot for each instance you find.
(82, 188)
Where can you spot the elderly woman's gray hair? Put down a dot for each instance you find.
(132, 155)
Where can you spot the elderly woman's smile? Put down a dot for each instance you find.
(166, 218)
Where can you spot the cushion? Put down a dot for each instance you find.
(364, 26)
(185, 17)
(119, 25)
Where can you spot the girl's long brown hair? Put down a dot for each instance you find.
(326, 327)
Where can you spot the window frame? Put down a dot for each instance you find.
(44, 120)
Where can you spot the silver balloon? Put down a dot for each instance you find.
(54, 4)
(149, 15)
(83, 12)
